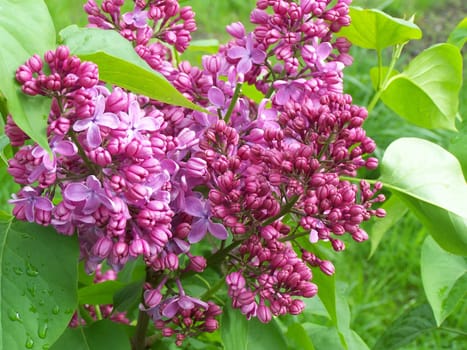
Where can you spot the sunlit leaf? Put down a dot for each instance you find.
(374, 29)
(440, 273)
(426, 93)
(430, 181)
(458, 36)
(120, 65)
(99, 293)
(38, 284)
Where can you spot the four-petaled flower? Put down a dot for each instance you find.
(100, 118)
(30, 200)
(138, 123)
(202, 222)
(247, 55)
(91, 193)
(136, 18)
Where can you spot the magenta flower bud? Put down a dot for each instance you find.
(138, 247)
(197, 263)
(245, 297)
(117, 101)
(327, 267)
(23, 74)
(137, 192)
(60, 126)
(237, 30)
(152, 297)
(308, 289)
(211, 325)
(88, 74)
(235, 280)
(296, 307)
(102, 247)
(337, 245)
(171, 261)
(196, 167)
(136, 173)
(100, 156)
(360, 235)
(263, 313)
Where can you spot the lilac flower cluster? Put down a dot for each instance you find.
(134, 177)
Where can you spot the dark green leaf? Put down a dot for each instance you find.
(327, 292)
(234, 329)
(323, 338)
(99, 293)
(430, 181)
(20, 39)
(100, 335)
(119, 64)
(426, 93)
(38, 284)
(405, 329)
(374, 29)
(298, 338)
(128, 298)
(263, 336)
(440, 272)
(458, 36)
(395, 210)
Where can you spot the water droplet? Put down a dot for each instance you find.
(42, 331)
(14, 315)
(29, 343)
(69, 311)
(45, 347)
(33, 309)
(32, 290)
(41, 302)
(31, 270)
(18, 270)
(56, 310)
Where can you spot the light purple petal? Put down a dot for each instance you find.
(99, 106)
(43, 204)
(323, 50)
(282, 96)
(38, 152)
(92, 204)
(198, 231)
(148, 124)
(217, 230)
(93, 136)
(258, 56)
(195, 207)
(82, 124)
(76, 192)
(93, 183)
(170, 310)
(109, 120)
(185, 303)
(237, 52)
(216, 96)
(29, 212)
(65, 148)
(313, 236)
(244, 65)
(107, 202)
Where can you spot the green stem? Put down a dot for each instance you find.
(382, 83)
(138, 342)
(233, 102)
(452, 330)
(98, 312)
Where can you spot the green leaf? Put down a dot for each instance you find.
(440, 273)
(20, 39)
(234, 329)
(298, 338)
(430, 181)
(205, 45)
(327, 292)
(128, 298)
(99, 293)
(263, 336)
(458, 148)
(374, 29)
(64, 13)
(458, 36)
(100, 335)
(38, 284)
(406, 328)
(426, 93)
(120, 65)
(395, 210)
(375, 76)
(323, 338)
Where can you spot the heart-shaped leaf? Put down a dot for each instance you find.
(374, 29)
(119, 64)
(37, 285)
(19, 40)
(430, 181)
(441, 271)
(426, 93)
